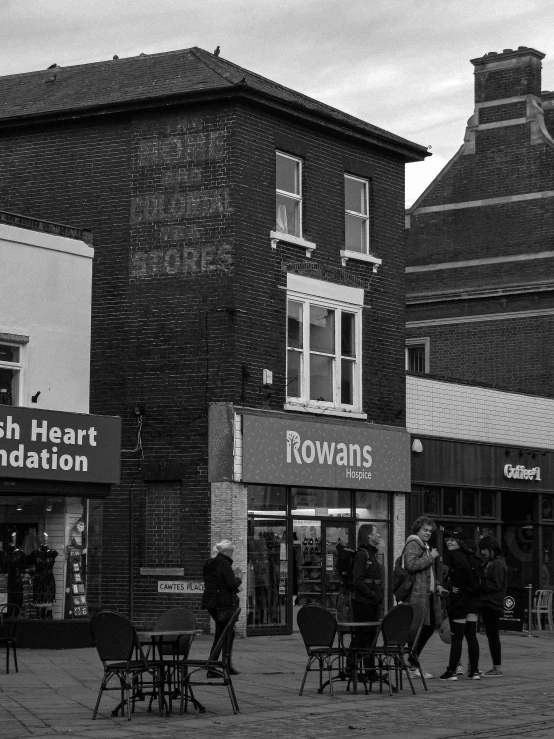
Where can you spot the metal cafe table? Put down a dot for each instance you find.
(347, 627)
(156, 639)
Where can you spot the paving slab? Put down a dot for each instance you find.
(55, 691)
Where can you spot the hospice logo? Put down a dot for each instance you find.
(351, 456)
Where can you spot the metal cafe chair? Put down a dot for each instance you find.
(396, 631)
(211, 664)
(9, 620)
(410, 650)
(178, 648)
(318, 628)
(542, 606)
(116, 642)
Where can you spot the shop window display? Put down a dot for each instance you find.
(267, 581)
(43, 556)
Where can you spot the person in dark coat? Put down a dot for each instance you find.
(462, 605)
(221, 584)
(492, 598)
(368, 586)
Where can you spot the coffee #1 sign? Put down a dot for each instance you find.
(290, 452)
(52, 445)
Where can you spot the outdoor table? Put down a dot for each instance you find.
(156, 638)
(348, 627)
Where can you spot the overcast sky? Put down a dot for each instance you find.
(402, 65)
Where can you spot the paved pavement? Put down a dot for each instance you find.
(55, 690)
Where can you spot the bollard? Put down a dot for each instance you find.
(529, 589)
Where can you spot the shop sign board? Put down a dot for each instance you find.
(53, 445)
(512, 616)
(286, 451)
(180, 586)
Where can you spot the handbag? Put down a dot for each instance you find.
(444, 631)
(404, 589)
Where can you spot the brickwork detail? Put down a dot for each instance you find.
(229, 520)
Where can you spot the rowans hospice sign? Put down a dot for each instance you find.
(283, 451)
(52, 445)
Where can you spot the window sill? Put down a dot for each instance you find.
(346, 254)
(277, 236)
(320, 409)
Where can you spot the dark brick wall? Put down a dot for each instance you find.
(515, 354)
(505, 112)
(187, 291)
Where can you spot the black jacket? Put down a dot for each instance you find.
(464, 601)
(368, 576)
(494, 588)
(220, 583)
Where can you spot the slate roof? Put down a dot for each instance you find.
(142, 80)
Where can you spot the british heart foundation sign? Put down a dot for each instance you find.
(283, 451)
(52, 445)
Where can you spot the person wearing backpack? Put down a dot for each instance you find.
(419, 560)
(462, 605)
(368, 581)
(492, 598)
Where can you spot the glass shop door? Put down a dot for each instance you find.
(315, 555)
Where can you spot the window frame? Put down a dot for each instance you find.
(333, 302)
(18, 367)
(293, 196)
(364, 218)
(422, 342)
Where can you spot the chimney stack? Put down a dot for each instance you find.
(512, 73)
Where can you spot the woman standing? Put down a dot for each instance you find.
(221, 584)
(492, 598)
(462, 604)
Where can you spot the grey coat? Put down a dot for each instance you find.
(418, 561)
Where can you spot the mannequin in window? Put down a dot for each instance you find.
(44, 583)
(14, 563)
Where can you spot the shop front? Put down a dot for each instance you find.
(55, 470)
(310, 485)
(503, 491)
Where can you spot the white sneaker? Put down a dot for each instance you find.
(414, 672)
(459, 670)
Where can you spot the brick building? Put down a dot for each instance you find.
(479, 240)
(214, 194)
(480, 308)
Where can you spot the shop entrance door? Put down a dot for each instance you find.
(315, 576)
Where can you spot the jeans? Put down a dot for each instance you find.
(491, 618)
(219, 627)
(426, 633)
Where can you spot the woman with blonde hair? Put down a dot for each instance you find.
(221, 584)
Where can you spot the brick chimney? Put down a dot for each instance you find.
(509, 74)
(507, 93)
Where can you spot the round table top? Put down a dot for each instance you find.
(350, 624)
(175, 632)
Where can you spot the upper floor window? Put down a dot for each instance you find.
(417, 355)
(10, 374)
(324, 349)
(289, 195)
(356, 218)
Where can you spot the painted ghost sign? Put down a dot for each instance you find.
(179, 226)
